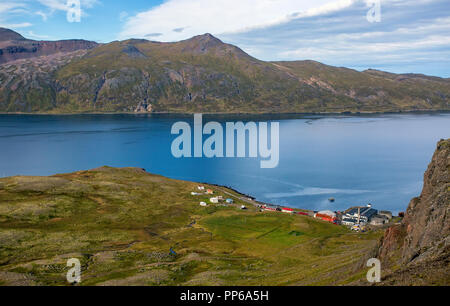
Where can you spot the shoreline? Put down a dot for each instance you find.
(252, 200)
(343, 113)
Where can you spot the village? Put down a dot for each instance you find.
(357, 218)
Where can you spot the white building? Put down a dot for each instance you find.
(329, 213)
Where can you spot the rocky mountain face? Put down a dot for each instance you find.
(417, 251)
(201, 74)
(14, 46)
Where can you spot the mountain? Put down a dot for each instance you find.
(10, 35)
(14, 46)
(201, 74)
(417, 251)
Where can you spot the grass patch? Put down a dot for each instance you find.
(122, 224)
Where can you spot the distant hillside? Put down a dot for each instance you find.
(417, 251)
(10, 35)
(14, 46)
(201, 74)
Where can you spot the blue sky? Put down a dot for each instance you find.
(411, 35)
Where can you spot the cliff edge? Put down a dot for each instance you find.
(416, 251)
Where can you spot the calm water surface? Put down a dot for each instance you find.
(355, 159)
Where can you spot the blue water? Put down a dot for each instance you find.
(355, 159)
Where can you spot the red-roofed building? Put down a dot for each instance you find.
(326, 215)
(268, 208)
(287, 210)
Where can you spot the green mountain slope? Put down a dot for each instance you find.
(122, 223)
(203, 74)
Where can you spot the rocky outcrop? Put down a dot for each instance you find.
(420, 245)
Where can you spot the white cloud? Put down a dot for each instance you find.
(43, 15)
(61, 5)
(383, 49)
(12, 8)
(56, 5)
(31, 34)
(221, 16)
(6, 7)
(15, 25)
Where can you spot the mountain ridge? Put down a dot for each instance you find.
(7, 35)
(200, 74)
(14, 46)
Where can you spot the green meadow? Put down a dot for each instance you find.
(122, 223)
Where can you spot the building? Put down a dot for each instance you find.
(326, 215)
(229, 201)
(287, 210)
(203, 204)
(209, 191)
(385, 213)
(201, 188)
(349, 221)
(269, 208)
(363, 214)
(214, 200)
(379, 220)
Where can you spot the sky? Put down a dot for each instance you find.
(399, 36)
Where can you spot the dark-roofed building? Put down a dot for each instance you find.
(349, 221)
(365, 214)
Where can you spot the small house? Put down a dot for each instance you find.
(385, 213)
(326, 215)
(229, 201)
(379, 220)
(194, 193)
(287, 210)
(269, 208)
(214, 200)
(209, 191)
(243, 207)
(203, 204)
(201, 188)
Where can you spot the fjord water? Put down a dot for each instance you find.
(378, 159)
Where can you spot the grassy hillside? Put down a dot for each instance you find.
(203, 74)
(121, 224)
